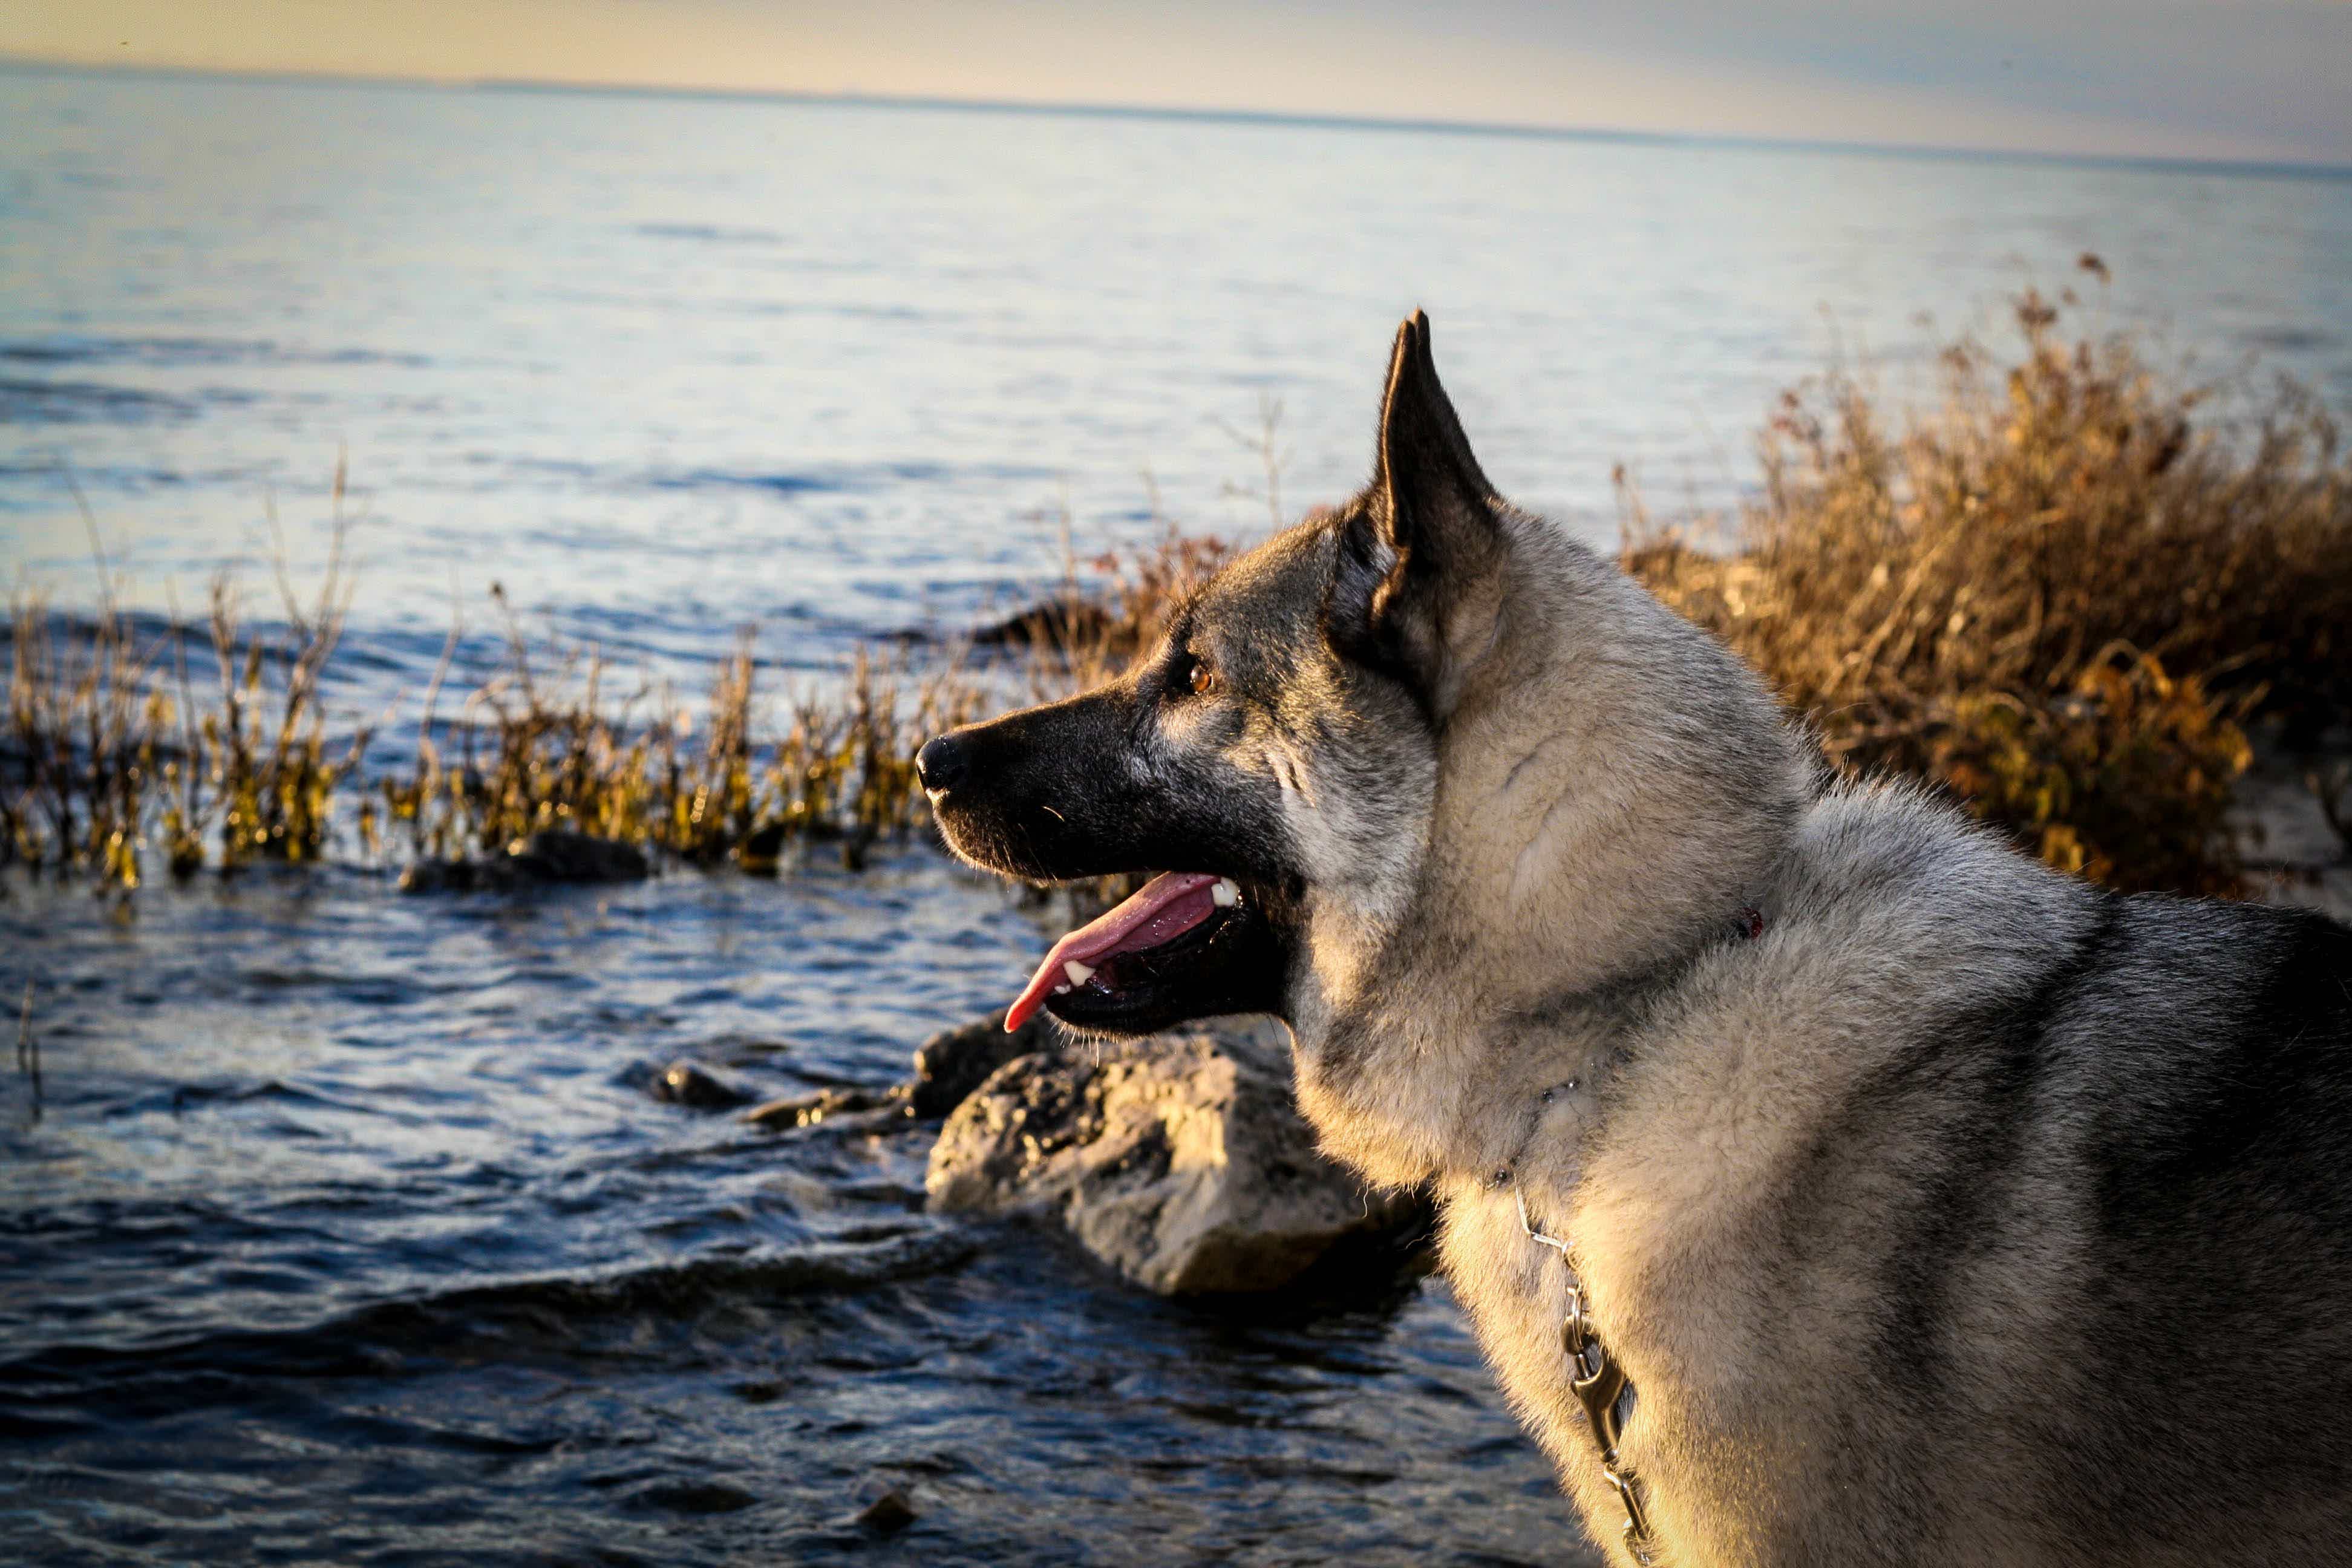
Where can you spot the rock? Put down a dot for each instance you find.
(560, 855)
(441, 877)
(808, 1109)
(551, 855)
(855, 845)
(947, 1066)
(762, 848)
(1065, 620)
(1180, 1162)
(889, 1513)
(2290, 809)
(953, 1062)
(692, 1085)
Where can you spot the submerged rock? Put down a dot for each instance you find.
(889, 1513)
(808, 1109)
(953, 1062)
(551, 855)
(947, 1066)
(558, 855)
(696, 1087)
(441, 877)
(1180, 1162)
(762, 848)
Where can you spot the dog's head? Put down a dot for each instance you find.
(1319, 714)
(1274, 750)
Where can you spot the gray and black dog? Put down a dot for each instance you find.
(1828, 1182)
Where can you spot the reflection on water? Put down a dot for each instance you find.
(351, 1232)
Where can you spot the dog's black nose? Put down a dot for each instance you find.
(941, 763)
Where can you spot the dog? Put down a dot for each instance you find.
(1827, 1182)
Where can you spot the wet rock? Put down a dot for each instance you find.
(953, 1062)
(558, 855)
(856, 845)
(698, 1087)
(1180, 1162)
(2291, 810)
(441, 877)
(808, 1109)
(552, 855)
(762, 848)
(947, 1066)
(1065, 620)
(889, 1513)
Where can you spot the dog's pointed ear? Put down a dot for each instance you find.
(1428, 516)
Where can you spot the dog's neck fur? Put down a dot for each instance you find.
(1580, 851)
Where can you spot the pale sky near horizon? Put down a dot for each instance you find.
(2261, 80)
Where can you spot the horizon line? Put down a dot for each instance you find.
(2256, 168)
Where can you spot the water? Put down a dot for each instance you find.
(664, 367)
(350, 1231)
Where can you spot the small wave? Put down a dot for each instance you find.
(863, 477)
(75, 349)
(830, 479)
(719, 479)
(182, 1098)
(25, 402)
(710, 233)
(558, 1313)
(2289, 339)
(69, 349)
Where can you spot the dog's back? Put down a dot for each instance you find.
(2193, 1082)
(2004, 1221)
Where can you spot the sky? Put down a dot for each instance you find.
(2264, 80)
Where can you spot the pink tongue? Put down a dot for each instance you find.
(1160, 910)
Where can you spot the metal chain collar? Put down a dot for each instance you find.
(1601, 1387)
(1599, 1384)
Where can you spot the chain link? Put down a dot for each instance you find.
(1601, 1387)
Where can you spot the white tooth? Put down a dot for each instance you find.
(1225, 893)
(1079, 973)
(1061, 991)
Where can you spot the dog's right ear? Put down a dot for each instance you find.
(1425, 523)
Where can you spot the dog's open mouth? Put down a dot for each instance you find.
(1128, 959)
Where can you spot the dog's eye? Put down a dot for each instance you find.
(1199, 678)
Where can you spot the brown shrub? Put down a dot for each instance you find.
(2058, 593)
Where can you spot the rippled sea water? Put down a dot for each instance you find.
(350, 1233)
(348, 1230)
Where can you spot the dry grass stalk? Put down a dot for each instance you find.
(112, 753)
(543, 745)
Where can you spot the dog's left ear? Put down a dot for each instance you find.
(1424, 527)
